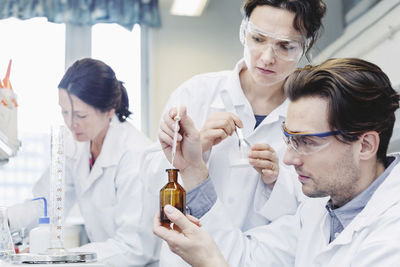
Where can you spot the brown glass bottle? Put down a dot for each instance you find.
(172, 194)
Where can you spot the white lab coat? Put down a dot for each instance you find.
(240, 190)
(371, 239)
(109, 196)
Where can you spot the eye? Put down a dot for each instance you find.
(287, 46)
(257, 38)
(307, 141)
(64, 112)
(81, 116)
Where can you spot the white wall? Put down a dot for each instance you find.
(374, 37)
(186, 46)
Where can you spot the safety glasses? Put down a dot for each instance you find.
(306, 143)
(284, 47)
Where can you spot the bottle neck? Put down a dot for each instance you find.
(172, 175)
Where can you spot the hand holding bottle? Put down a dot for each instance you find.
(188, 240)
(188, 157)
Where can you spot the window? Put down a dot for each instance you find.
(120, 49)
(37, 50)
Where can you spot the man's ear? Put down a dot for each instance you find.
(369, 144)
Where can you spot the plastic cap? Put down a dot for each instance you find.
(44, 220)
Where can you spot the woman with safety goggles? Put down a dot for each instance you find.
(275, 35)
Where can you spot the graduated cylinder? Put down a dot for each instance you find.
(172, 194)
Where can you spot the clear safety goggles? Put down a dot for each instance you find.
(284, 47)
(306, 143)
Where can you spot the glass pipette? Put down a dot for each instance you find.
(175, 140)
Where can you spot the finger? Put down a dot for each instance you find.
(176, 228)
(267, 172)
(263, 164)
(263, 151)
(179, 219)
(164, 128)
(262, 147)
(173, 112)
(169, 116)
(212, 135)
(179, 111)
(165, 139)
(187, 124)
(237, 120)
(193, 220)
(269, 177)
(263, 154)
(227, 125)
(159, 229)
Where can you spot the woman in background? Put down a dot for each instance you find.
(103, 155)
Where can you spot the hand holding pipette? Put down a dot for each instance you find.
(188, 153)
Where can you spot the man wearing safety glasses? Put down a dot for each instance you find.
(252, 184)
(337, 130)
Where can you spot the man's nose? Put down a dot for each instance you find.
(291, 157)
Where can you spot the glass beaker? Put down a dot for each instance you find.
(6, 243)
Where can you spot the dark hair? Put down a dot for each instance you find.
(308, 15)
(94, 82)
(359, 94)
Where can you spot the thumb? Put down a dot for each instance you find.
(186, 124)
(178, 218)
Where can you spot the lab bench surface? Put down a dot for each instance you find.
(92, 264)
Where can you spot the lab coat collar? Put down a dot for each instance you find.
(385, 196)
(232, 85)
(75, 150)
(108, 156)
(234, 88)
(278, 113)
(111, 143)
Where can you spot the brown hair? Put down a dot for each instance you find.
(359, 94)
(308, 18)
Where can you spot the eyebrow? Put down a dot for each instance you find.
(75, 111)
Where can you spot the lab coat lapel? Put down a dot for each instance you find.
(242, 106)
(278, 114)
(106, 157)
